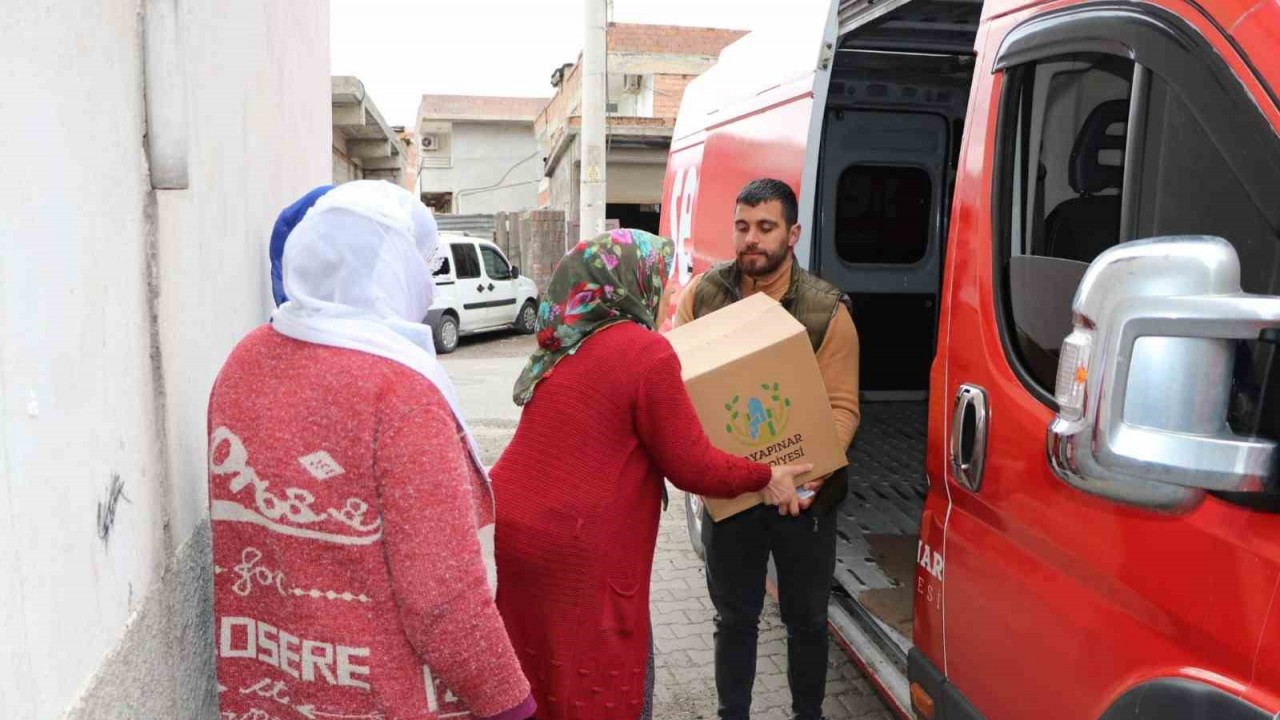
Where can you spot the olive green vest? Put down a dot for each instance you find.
(811, 300)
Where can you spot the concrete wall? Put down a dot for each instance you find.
(344, 168)
(564, 183)
(119, 305)
(482, 153)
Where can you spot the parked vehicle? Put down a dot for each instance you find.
(1064, 489)
(479, 291)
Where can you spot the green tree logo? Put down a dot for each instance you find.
(762, 419)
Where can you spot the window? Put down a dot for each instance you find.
(1189, 188)
(495, 265)
(1064, 154)
(465, 258)
(1075, 179)
(443, 271)
(882, 214)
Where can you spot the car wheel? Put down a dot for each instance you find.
(527, 321)
(446, 334)
(693, 516)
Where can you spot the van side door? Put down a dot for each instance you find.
(500, 287)
(1099, 124)
(471, 286)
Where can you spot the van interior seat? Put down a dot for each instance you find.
(1082, 227)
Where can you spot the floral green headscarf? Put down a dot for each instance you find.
(612, 278)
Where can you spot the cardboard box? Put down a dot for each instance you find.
(754, 380)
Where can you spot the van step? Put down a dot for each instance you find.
(886, 499)
(884, 666)
(886, 489)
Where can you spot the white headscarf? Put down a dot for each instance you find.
(358, 275)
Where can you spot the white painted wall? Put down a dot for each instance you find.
(90, 385)
(482, 153)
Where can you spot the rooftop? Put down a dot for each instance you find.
(480, 108)
(368, 137)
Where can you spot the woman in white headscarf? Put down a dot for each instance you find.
(352, 518)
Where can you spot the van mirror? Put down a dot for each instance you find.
(515, 272)
(1144, 378)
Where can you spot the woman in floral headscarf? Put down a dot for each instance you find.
(578, 491)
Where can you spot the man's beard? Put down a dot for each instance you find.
(753, 265)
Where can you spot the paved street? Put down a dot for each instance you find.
(484, 370)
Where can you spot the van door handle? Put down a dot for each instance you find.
(969, 436)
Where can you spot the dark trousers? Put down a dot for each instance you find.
(804, 553)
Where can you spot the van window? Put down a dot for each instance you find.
(882, 214)
(443, 270)
(495, 265)
(465, 258)
(1064, 156)
(1189, 188)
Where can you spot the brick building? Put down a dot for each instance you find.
(649, 67)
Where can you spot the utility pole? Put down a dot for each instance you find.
(592, 194)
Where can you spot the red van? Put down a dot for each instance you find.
(1058, 222)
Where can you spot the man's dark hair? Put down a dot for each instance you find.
(763, 190)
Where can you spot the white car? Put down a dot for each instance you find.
(479, 291)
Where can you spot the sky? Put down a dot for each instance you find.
(403, 49)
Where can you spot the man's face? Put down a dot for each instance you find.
(761, 238)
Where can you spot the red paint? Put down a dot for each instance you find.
(1054, 602)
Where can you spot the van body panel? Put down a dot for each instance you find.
(784, 53)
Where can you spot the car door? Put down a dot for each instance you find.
(500, 287)
(471, 286)
(1055, 601)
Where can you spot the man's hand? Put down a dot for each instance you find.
(812, 487)
(781, 490)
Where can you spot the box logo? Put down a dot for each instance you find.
(762, 419)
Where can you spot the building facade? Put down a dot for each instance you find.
(649, 67)
(364, 146)
(478, 155)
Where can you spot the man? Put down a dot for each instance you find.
(804, 548)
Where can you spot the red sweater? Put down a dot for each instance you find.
(578, 495)
(346, 561)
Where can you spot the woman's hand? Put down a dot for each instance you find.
(781, 490)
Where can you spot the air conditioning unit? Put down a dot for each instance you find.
(611, 108)
(632, 83)
(430, 143)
